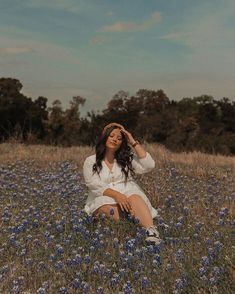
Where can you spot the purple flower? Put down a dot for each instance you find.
(111, 212)
(127, 288)
(179, 255)
(87, 259)
(205, 261)
(145, 282)
(41, 290)
(99, 290)
(63, 290)
(179, 284)
(216, 271)
(202, 271)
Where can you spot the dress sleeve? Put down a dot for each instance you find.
(143, 165)
(93, 182)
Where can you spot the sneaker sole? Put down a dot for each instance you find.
(153, 240)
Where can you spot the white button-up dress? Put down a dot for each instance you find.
(115, 180)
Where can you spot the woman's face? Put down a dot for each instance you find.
(114, 140)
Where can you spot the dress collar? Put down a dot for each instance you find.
(114, 162)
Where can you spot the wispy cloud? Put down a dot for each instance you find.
(174, 36)
(65, 5)
(98, 40)
(133, 26)
(15, 50)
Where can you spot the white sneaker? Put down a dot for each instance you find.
(153, 235)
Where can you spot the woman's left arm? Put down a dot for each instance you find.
(143, 162)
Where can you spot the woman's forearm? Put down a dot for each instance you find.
(139, 150)
(112, 193)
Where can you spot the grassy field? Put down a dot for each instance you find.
(49, 245)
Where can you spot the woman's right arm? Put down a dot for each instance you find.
(120, 198)
(99, 188)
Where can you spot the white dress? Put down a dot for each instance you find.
(114, 179)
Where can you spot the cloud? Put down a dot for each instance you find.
(132, 26)
(15, 50)
(65, 5)
(98, 40)
(174, 36)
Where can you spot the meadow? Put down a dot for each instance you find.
(49, 245)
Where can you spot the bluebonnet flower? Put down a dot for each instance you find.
(36, 242)
(59, 228)
(205, 261)
(208, 241)
(111, 211)
(136, 275)
(23, 252)
(213, 280)
(115, 243)
(45, 285)
(179, 255)
(198, 226)
(169, 267)
(216, 271)
(108, 273)
(114, 281)
(216, 234)
(59, 265)
(221, 222)
(202, 271)
(99, 290)
(218, 245)
(186, 210)
(145, 282)
(35, 223)
(41, 290)
(63, 290)
(59, 249)
(223, 212)
(178, 225)
(96, 269)
(136, 220)
(157, 259)
(130, 245)
(86, 288)
(179, 284)
(168, 201)
(122, 272)
(52, 257)
(42, 265)
(87, 259)
(127, 288)
(211, 252)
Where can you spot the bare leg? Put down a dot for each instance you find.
(141, 210)
(106, 210)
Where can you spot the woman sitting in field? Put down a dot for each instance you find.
(109, 177)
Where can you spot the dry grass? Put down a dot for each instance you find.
(199, 163)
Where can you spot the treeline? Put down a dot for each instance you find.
(198, 123)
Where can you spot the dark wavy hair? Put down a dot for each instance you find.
(123, 155)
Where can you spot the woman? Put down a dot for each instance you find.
(109, 177)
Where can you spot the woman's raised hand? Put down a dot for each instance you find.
(128, 135)
(124, 203)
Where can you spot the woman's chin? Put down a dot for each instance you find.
(112, 147)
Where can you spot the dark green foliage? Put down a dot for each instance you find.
(199, 123)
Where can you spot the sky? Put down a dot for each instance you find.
(94, 48)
